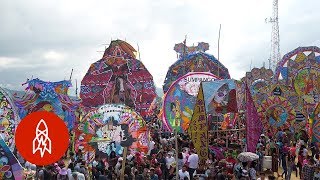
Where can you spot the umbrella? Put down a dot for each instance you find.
(247, 156)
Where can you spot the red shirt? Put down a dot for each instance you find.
(231, 161)
(293, 151)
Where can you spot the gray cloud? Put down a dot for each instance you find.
(46, 39)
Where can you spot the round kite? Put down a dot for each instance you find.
(180, 99)
(194, 59)
(315, 128)
(118, 78)
(300, 70)
(9, 119)
(110, 128)
(276, 112)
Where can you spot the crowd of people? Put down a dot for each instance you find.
(160, 163)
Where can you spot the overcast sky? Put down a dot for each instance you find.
(46, 39)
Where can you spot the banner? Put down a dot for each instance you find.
(315, 125)
(198, 129)
(254, 125)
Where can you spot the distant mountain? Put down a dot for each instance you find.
(159, 92)
(15, 92)
(18, 93)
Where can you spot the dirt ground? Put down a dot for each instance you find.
(293, 175)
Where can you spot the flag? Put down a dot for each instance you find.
(254, 125)
(198, 129)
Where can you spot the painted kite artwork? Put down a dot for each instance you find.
(315, 125)
(276, 112)
(299, 70)
(118, 78)
(10, 168)
(180, 100)
(111, 127)
(9, 118)
(220, 97)
(194, 59)
(48, 96)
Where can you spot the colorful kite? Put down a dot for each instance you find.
(300, 71)
(220, 97)
(254, 125)
(194, 59)
(110, 128)
(180, 99)
(118, 78)
(276, 112)
(10, 168)
(9, 118)
(315, 125)
(48, 96)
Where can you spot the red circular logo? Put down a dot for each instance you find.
(42, 138)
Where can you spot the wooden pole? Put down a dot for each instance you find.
(177, 151)
(139, 52)
(71, 74)
(125, 151)
(219, 51)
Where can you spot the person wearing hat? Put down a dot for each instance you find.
(63, 174)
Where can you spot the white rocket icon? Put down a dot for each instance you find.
(41, 142)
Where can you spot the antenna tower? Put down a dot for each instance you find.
(275, 38)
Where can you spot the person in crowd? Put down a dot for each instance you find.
(183, 173)
(308, 169)
(260, 160)
(291, 165)
(299, 163)
(170, 164)
(113, 159)
(284, 153)
(180, 161)
(211, 160)
(63, 174)
(193, 163)
(252, 171)
(153, 175)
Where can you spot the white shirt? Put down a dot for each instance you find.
(169, 161)
(193, 161)
(151, 146)
(69, 173)
(95, 163)
(163, 141)
(117, 168)
(182, 175)
(80, 176)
